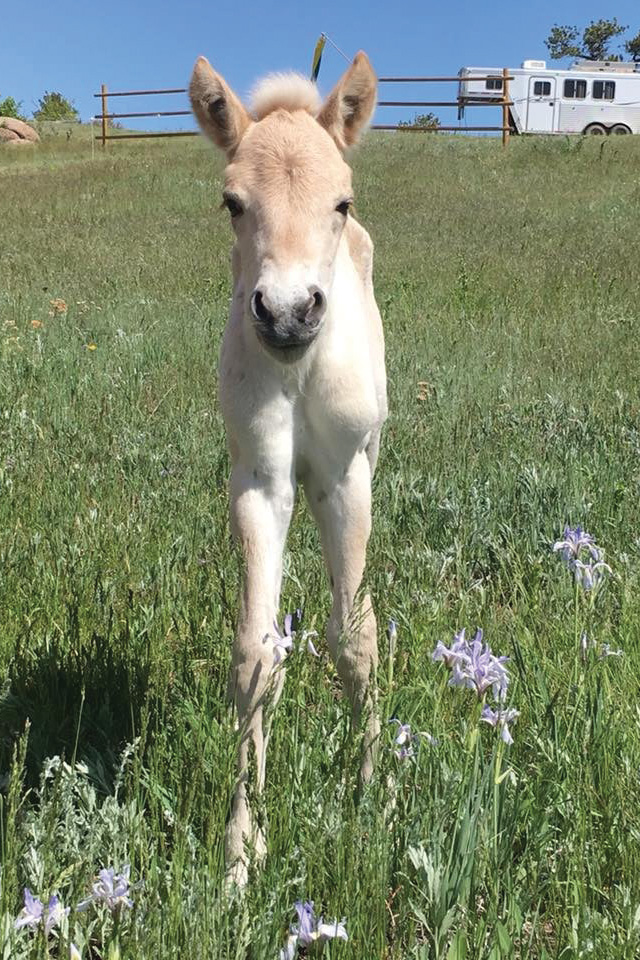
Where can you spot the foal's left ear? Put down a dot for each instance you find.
(218, 110)
(349, 107)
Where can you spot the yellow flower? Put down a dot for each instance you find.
(92, 346)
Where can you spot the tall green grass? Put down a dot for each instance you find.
(508, 283)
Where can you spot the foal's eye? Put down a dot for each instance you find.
(343, 207)
(233, 205)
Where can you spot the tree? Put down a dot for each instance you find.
(53, 106)
(563, 41)
(633, 47)
(11, 108)
(427, 121)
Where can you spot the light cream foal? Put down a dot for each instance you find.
(302, 383)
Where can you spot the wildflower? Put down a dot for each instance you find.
(474, 666)
(404, 740)
(576, 544)
(74, 953)
(585, 645)
(310, 930)
(608, 652)
(91, 346)
(306, 636)
(31, 913)
(282, 642)
(55, 914)
(34, 913)
(451, 656)
(501, 718)
(36, 324)
(110, 888)
(392, 632)
(590, 575)
(58, 306)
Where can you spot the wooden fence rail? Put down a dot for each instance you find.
(504, 102)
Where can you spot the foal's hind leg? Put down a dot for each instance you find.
(344, 517)
(260, 514)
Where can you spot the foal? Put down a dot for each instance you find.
(302, 381)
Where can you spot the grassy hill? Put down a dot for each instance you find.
(508, 284)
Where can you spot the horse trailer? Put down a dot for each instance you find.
(594, 97)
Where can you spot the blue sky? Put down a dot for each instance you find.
(74, 46)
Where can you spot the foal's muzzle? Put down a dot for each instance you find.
(283, 325)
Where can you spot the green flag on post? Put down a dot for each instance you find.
(317, 57)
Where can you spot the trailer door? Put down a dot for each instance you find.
(541, 105)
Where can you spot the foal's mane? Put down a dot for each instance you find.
(284, 91)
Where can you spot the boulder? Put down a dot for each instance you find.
(20, 128)
(7, 136)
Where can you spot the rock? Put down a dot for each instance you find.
(8, 136)
(20, 128)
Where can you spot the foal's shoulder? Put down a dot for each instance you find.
(360, 248)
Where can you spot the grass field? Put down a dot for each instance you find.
(508, 284)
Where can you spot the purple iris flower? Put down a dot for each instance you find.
(473, 665)
(501, 718)
(590, 575)
(282, 642)
(405, 739)
(310, 930)
(576, 545)
(458, 651)
(34, 913)
(31, 913)
(574, 542)
(110, 888)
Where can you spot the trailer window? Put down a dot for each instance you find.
(541, 88)
(493, 83)
(575, 89)
(604, 90)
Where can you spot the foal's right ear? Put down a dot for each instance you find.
(218, 110)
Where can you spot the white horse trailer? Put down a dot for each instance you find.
(590, 97)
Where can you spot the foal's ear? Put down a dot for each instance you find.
(349, 107)
(218, 110)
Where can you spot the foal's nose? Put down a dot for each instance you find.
(307, 310)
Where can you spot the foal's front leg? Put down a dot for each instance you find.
(343, 512)
(260, 514)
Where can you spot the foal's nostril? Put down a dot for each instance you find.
(317, 303)
(259, 309)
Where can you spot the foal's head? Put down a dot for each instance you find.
(287, 188)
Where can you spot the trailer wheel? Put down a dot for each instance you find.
(595, 129)
(620, 128)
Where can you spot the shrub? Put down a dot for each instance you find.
(53, 106)
(11, 108)
(428, 121)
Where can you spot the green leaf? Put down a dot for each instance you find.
(458, 948)
(504, 940)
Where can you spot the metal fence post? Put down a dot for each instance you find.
(505, 107)
(104, 115)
